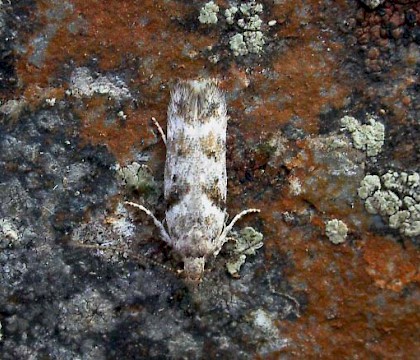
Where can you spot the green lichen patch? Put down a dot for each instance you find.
(137, 177)
(208, 13)
(9, 234)
(396, 197)
(367, 137)
(336, 231)
(246, 242)
(369, 185)
(245, 19)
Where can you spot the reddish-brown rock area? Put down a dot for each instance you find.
(81, 80)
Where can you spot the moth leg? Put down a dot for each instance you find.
(98, 247)
(223, 236)
(161, 132)
(138, 257)
(157, 223)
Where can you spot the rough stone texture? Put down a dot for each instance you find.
(80, 81)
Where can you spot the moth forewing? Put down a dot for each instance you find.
(195, 183)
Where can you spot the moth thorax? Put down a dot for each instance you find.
(194, 269)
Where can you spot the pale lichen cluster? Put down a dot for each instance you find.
(246, 242)
(137, 177)
(336, 231)
(84, 83)
(246, 18)
(396, 197)
(9, 234)
(208, 13)
(366, 137)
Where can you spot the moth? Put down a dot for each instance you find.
(195, 178)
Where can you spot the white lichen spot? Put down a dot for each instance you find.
(84, 84)
(368, 137)
(252, 23)
(230, 14)
(250, 39)
(51, 102)
(398, 219)
(246, 242)
(373, 3)
(254, 41)
(264, 322)
(8, 233)
(208, 13)
(368, 186)
(383, 202)
(413, 180)
(122, 115)
(396, 197)
(238, 45)
(336, 231)
(295, 186)
(402, 182)
(137, 177)
(411, 228)
(350, 123)
(250, 8)
(214, 59)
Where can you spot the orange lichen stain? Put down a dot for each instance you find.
(317, 221)
(301, 80)
(142, 36)
(320, 188)
(303, 159)
(392, 267)
(354, 306)
(122, 137)
(238, 79)
(347, 315)
(151, 44)
(297, 93)
(36, 96)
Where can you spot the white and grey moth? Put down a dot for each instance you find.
(195, 183)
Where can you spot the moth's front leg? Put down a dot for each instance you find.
(161, 132)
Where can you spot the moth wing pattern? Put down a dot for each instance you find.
(195, 168)
(195, 177)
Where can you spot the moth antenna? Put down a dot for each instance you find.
(157, 223)
(161, 132)
(225, 232)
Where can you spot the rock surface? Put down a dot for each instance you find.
(80, 82)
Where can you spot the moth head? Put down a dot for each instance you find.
(194, 269)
